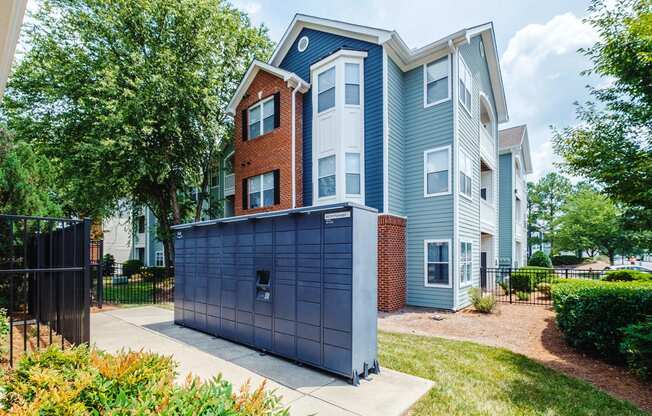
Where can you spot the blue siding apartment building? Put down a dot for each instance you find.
(414, 134)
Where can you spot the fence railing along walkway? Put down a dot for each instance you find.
(121, 284)
(44, 283)
(529, 286)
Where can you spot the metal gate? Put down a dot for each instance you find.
(44, 283)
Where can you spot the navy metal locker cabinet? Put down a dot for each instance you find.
(297, 283)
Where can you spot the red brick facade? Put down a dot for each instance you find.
(272, 150)
(391, 262)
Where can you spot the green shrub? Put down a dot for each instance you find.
(153, 273)
(625, 275)
(544, 288)
(131, 267)
(637, 347)
(591, 313)
(108, 265)
(526, 279)
(566, 260)
(4, 331)
(81, 381)
(539, 259)
(484, 304)
(504, 284)
(523, 296)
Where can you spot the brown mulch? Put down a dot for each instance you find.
(22, 344)
(524, 329)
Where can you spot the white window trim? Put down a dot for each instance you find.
(162, 256)
(359, 84)
(425, 264)
(425, 82)
(425, 171)
(468, 197)
(464, 66)
(461, 268)
(261, 192)
(334, 196)
(335, 87)
(260, 104)
(359, 173)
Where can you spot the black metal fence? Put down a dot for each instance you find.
(529, 286)
(44, 283)
(123, 284)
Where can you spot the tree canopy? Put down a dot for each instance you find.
(612, 145)
(546, 198)
(127, 98)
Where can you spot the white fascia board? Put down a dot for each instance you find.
(290, 77)
(11, 19)
(339, 54)
(526, 152)
(301, 21)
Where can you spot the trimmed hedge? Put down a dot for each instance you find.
(566, 260)
(155, 273)
(637, 348)
(81, 381)
(592, 314)
(527, 278)
(539, 259)
(626, 275)
(131, 267)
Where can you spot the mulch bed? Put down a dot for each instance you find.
(525, 329)
(22, 344)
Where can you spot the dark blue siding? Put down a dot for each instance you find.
(321, 45)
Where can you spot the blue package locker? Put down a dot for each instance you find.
(298, 283)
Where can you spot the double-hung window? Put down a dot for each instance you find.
(326, 90)
(436, 171)
(352, 84)
(466, 173)
(436, 85)
(159, 260)
(261, 190)
(261, 118)
(353, 173)
(466, 85)
(466, 262)
(326, 180)
(436, 263)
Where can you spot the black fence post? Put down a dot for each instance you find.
(86, 319)
(100, 275)
(509, 284)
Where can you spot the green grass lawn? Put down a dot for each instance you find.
(132, 292)
(472, 379)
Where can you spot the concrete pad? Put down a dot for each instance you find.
(305, 390)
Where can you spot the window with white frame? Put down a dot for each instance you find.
(159, 260)
(351, 84)
(466, 173)
(261, 190)
(326, 180)
(466, 85)
(436, 171)
(353, 173)
(466, 262)
(436, 81)
(436, 263)
(326, 90)
(261, 118)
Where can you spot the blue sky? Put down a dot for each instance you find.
(537, 42)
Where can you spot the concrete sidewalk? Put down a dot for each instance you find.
(305, 390)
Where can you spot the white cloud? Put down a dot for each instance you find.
(249, 7)
(541, 68)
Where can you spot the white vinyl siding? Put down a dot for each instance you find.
(436, 174)
(436, 85)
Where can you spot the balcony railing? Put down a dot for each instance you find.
(229, 184)
(487, 146)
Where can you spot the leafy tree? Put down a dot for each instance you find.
(590, 222)
(128, 98)
(540, 259)
(545, 199)
(26, 180)
(612, 145)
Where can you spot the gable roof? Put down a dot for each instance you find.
(515, 139)
(291, 78)
(405, 57)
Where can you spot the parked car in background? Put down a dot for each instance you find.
(636, 267)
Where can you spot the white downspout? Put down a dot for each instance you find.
(294, 145)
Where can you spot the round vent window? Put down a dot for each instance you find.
(303, 44)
